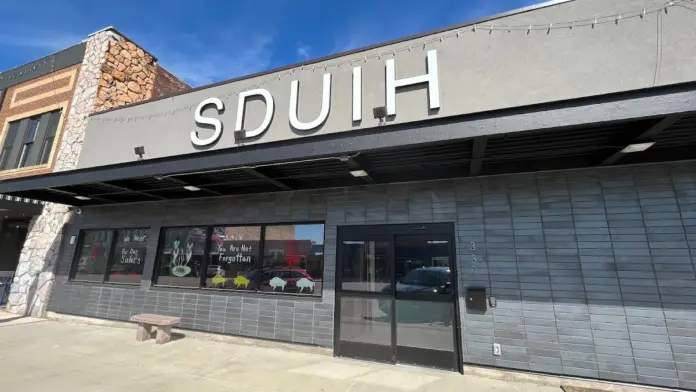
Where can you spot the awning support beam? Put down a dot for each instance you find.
(264, 177)
(478, 151)
(646, 136)
(71, 194)
(129, 190)
(204, 189)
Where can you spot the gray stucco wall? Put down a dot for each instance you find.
(478, 72)
(592, 269)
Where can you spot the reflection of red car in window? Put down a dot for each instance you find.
(288, 280)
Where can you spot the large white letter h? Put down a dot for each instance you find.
(430, 77)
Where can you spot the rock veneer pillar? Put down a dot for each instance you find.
(33, 282)
(128, 76)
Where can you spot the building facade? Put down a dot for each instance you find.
(42, 105)
(34, 100)
(515, 192)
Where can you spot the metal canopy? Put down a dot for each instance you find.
(520, 152)
(11, 207)
(591, 133)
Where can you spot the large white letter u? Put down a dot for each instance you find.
(325, 105)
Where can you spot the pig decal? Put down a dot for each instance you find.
(305, 283)
(277, 282)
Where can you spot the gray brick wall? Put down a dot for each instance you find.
(592, 269)
(290, 318)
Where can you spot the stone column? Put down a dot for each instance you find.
(33, 282)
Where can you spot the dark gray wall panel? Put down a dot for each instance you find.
(592, 269)
(296, 319)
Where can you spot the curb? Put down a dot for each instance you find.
(557, 381)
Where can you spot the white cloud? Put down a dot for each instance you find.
(201, 60)
(197, 58)
(370, 30)
(353, 41)
(303, 51)
(45, 40)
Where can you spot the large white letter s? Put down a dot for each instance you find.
(200, 119)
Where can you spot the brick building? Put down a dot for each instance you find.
(41, 101)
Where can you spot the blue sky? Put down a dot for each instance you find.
(212, 40)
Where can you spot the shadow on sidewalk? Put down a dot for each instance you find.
(8, 319)
(175, 335)
(11, 318)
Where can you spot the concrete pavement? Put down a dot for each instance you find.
(37, 355)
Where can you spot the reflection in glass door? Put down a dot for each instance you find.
(396, 295)
(366, 308)
(424, 300)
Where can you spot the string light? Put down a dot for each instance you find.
(591, 22)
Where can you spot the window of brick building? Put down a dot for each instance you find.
(29, 141)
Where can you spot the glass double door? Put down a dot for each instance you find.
(396, 291)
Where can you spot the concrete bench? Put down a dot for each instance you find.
(164, 327)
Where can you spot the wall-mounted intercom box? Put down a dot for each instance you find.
(476, 298)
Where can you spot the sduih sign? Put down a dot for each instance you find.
(391, 82)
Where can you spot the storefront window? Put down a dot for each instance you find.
(128, 258)
(233, 257)
(229, 258)
(181, 256)
(93, 255)
(293, 259)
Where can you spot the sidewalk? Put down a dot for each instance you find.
(37, 355)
